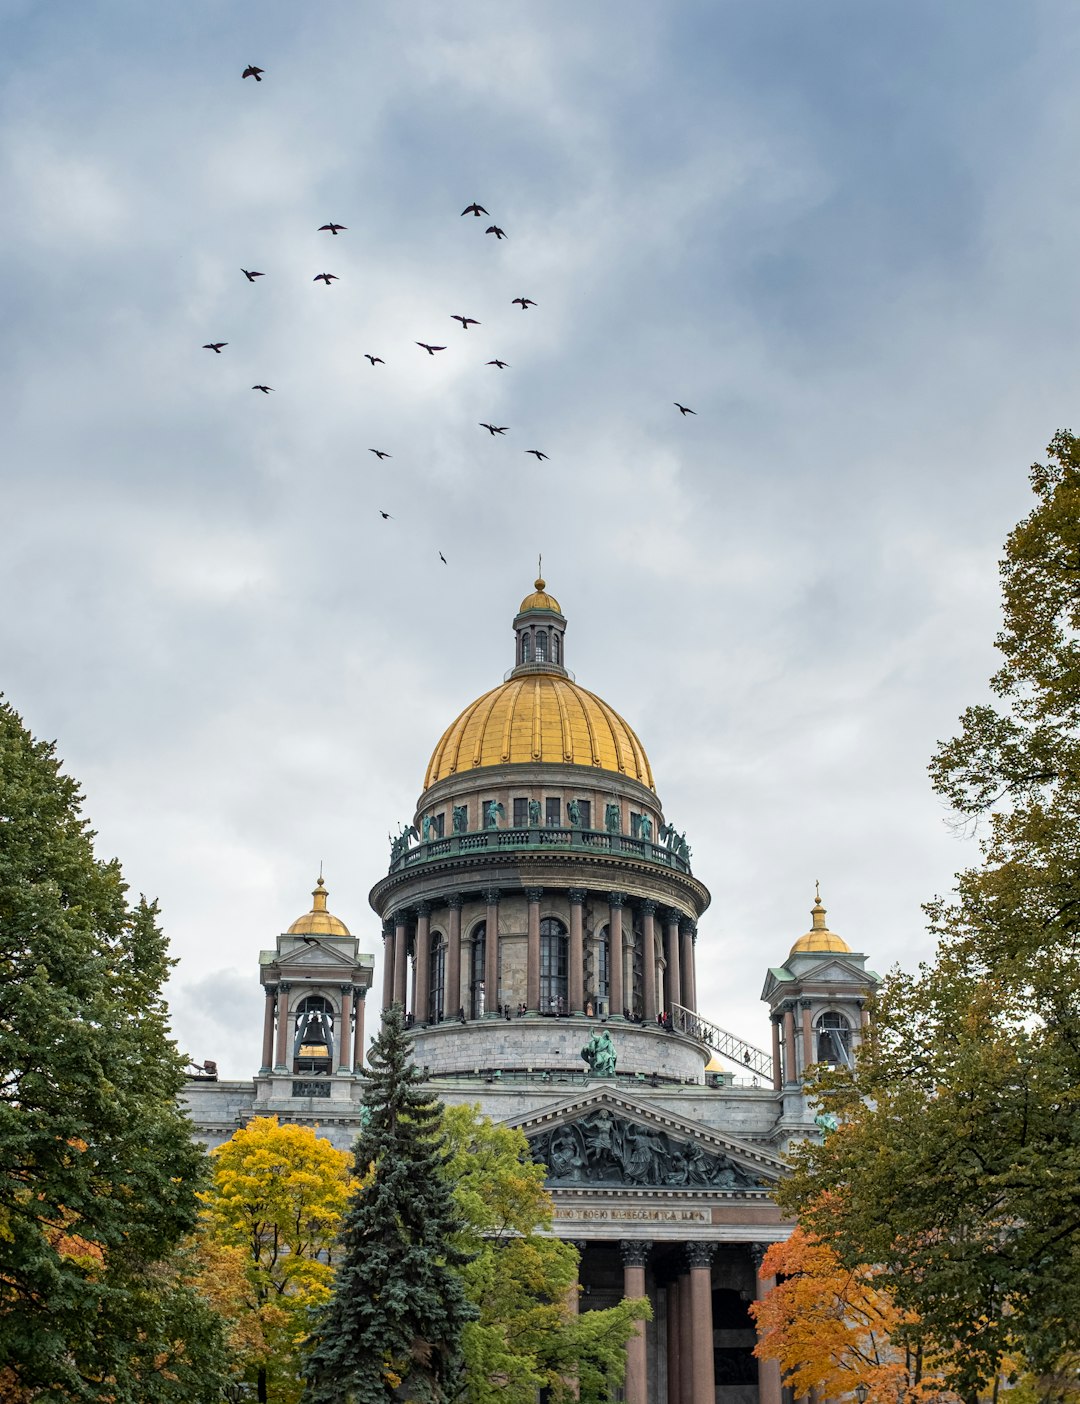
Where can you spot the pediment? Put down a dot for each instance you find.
(313, 957)
(605, 1138)
(839, 971)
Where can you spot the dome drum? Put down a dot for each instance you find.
(576, 843)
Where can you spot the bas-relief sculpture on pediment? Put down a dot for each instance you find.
(602, 1149)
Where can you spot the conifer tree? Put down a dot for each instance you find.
(392, 1329)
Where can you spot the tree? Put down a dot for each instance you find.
(393, 1327)
(957, 1166)
(270, 1219)
(98, 1172)
(524, 1338)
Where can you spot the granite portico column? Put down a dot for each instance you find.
(422, 1001)
(790, 1071)
(686, 1341)
(388, 965)
(807, 1035)
(699, 1256)
(688, 932)
(453, 957)
(648, 923)
(616, 996)
(532, 950)
(358, 1027)
(491, 954)
(674, 1395)
(674, 964)
(401, 956)
(777, 1071)
(635, 1253)
(770, 1386)
(575, 979)
(280, 1064)
(268, 1029)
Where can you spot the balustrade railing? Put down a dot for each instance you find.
(540, 836)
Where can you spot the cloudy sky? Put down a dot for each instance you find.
(844, 233)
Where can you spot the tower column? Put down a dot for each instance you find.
(491, 955)
(770, 1387)
(388, 965)
(699, 1256)
(401, 957)
(268, 1028)
(648, 922)
(777, 1071)
(344, 1048)
(358, 1027)
(280, 1064)
(790, 1073)
(532, 952)
(674, 965)
(635, 1253)
(453, 958)
(576, 975)
(616, 997)
(422, 1001)
(688, 932)
(807, 1035)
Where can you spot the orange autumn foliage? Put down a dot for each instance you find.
(831, 1328)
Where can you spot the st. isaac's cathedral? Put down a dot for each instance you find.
(540, 925)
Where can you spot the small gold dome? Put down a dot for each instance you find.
(318, 922)
(819, 937)
(540, 599)
(540, 718)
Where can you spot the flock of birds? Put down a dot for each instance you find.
(335, 229)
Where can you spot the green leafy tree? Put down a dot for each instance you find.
(525, 1336)
(270, 1219)
(392, 1330)
(98, 1172)
(957, 1166)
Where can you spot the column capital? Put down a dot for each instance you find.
(284, 987)
(671, 916)
(648, 906)
(360, 992)
(700, 1255)
(401, 917)
(616, 899)
(757, 1253)
(534, 894)
(579, 1243)
(271, 991)
(687, 925)
(635, 1251)
(492, 895)
(455, 901)
(345, 988)
(806, 1004)
(388, 930)
(423, 909)
(576, 896)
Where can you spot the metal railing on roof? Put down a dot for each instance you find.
(726, 1045)
(584, 841)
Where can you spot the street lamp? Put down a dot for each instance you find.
(861, 1391)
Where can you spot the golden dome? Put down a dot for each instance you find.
(540, 599)
(539, 718)
(819, 937)
(318, 922)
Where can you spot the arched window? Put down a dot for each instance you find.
(833, 1038)
(524, 648)
(554, 648)
(541, 646)
(553, 966)
(437, 980)
(476, 971)
(313, 1040)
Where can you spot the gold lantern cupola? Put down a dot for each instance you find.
(540, 633)
(819, 937)
(318, 922)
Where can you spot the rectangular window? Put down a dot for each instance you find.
(635, 825)
(585, 810)
(438, 825)
(553, 813)
(521, 813)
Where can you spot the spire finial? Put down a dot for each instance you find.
(318, 892)
(818, 911)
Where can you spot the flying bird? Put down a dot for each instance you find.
(264, 388)
(474, 209)
(501, 364)
(466, 322)
(252, 72)
(385, 515)
(250, 276)
(494, 229)
(430, 349)
(682, 408)
(523, 302)
(494, 428)
(327, 278)
(375, 360)
(214, 346)
(537, 454)
(380, 454)
(333, 228)
(443, 559)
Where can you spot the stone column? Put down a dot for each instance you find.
(686, 1341)
(388, 965)
(674, 965)
(616, 997)
(770, 1386)
(344, 1049)
(576, 975)
(280, 1065)
(790, 1071)
(453, 958)
(268, 1029)
(358, 1028)
(807, 1035)
(635, 1253)
(421, 1005)
(777, 1071)
(401, 956)
(699, 1256)
(674, 1395)
(648, 922)
(491, 955)
(688, 932)
(532, 950)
